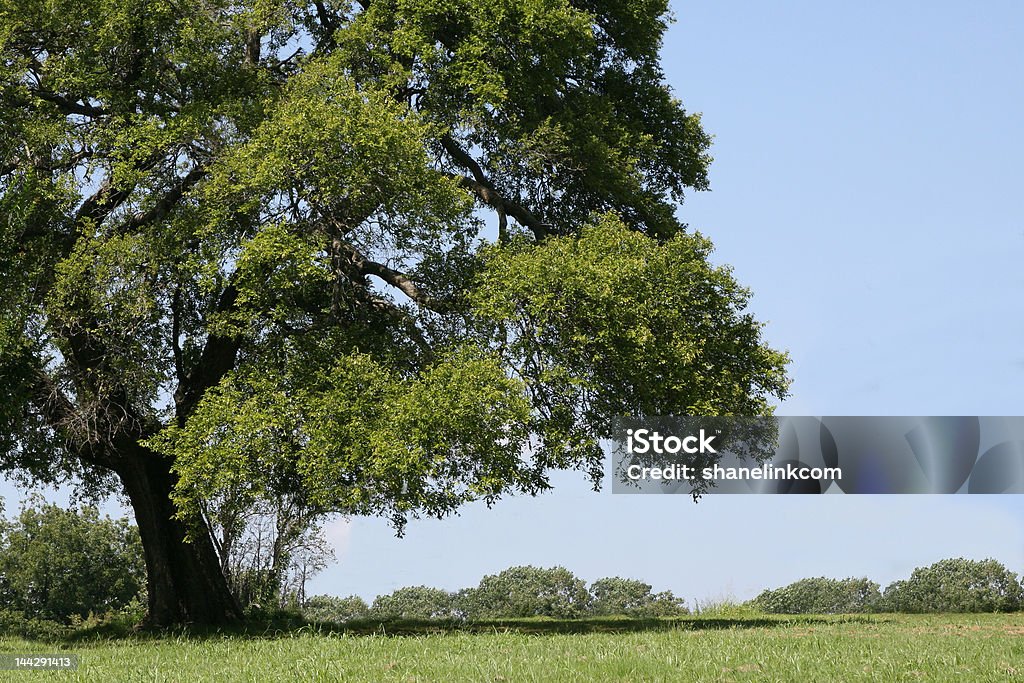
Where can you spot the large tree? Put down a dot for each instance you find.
(383, 257)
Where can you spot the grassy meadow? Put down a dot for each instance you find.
(699, 648)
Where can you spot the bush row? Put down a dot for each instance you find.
(953, 585)
(514, 593)
(67, 566)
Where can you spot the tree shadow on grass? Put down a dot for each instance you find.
(547, 626)
(289, 626)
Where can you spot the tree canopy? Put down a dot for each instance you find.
(382, 257)
(61, 564)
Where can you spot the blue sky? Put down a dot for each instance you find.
(866, 187)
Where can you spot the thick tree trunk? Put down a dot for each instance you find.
(184, 578)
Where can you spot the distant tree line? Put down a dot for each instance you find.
(514, 593)
(953, 585)
(66, 566)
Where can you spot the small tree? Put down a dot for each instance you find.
(268, 548)
(821, 596)
(957, 585)
(618, 596)
(58, 564)
(528, 592)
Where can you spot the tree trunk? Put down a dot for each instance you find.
(185, 582)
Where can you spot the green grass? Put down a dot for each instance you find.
(762, 648)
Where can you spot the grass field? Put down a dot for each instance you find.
(854, 648)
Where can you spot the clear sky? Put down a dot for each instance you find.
(867, 188)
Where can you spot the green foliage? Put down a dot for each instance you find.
(15, 623)
(727, 607)
(611, 323)
(415, 602)
(618, 596)
(332, 609)
(332, 140)
(821, 596)
(187, 184)
(527, 592)
(956, 585)
(517, 592)
(247, 237)
(372, 442)
(58, 564)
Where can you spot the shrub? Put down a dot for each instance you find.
(15, 623)
(527, 592)
(956, 585)
(416, 602)
(821, 596)
(330, 608)
(629, 597)
(726, 606)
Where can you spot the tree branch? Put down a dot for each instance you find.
(393, 277)
(60, 414)
(328, 23)
(485, 190)
(217, 360)
(166, 203)
(107, 198)
(101, 204)
(69, 106)
(179, 366)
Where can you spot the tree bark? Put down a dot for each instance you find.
(183, 577)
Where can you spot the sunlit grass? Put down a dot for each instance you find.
(697, 648)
